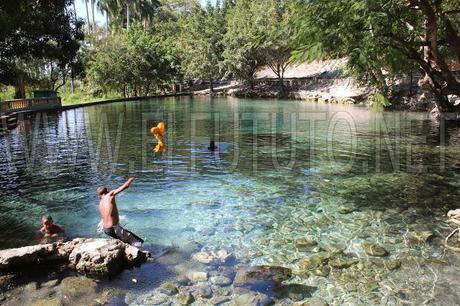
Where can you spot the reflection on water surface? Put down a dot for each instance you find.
(288, 181)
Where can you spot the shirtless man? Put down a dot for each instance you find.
(110, 218)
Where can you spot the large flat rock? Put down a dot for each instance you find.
(90, 256)
(34, 254)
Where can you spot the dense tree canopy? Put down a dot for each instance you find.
(132, 63)
(36, 30)
(203, 43)
(247, 21)
(384, 39)
(154, 43)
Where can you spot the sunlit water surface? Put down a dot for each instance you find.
(282, 170)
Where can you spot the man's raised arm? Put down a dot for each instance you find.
(122, 187)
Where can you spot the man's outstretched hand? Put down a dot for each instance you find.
(122, 187)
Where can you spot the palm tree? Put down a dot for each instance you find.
(141, 9)
(93, 4)
(87, 15)
(128, 4)
(145, 9)
(74, 8)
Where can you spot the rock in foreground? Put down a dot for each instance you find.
(91, 256)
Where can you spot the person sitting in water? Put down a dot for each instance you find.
(50, 231)
(110, 218)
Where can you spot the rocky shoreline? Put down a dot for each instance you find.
(101, 258)
(340, 91)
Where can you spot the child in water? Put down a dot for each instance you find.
(50, 232)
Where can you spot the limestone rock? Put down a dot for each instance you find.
(73, 288)
(169, 288)
(197, 276)
(47, 302)
(218, 300)
(97, 257)
(221, 280)
(322, 271)
(185, 298)
(104, 257)
(305, 243)
(295, 292)
(213, 258)
(314, 261)
(420, 237)
(202, 291)
(29, 255)
(314, 301)
(248, 276)
(373, 249)
(392, 264)
(342, 263)
(252, 299)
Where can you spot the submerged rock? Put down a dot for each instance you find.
(252, 299)
(295, 292)
(314, 301)
(305, 243)
(322, 271)
(420, 237)
(218, 300)
(213, 258)
(197, 276)
(48, 302)
(169, 288)
(392, 264)
(344, 210)
(248, 276)
(373, 249)
(314, 261)
(221, 280)
(202, 291)
(342, 263)
(184, 298)
(75, 287)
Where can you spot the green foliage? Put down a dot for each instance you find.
(247, 22)
(383, 39)
(203, 34)
(134, 11)
(81, 97)
(6, 92)
(379, 102)
(32, 31)
(132, 63)
(277, 41)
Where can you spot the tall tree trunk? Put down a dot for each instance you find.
(87, 15)
(127, 15)
(93, 4)
(107, 21)
(74, 8)
(72, 85)
(20, 88)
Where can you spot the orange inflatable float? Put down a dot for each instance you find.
(158, 132)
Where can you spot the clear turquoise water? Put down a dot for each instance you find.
(283, 170)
